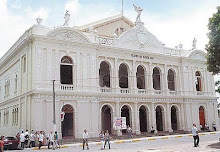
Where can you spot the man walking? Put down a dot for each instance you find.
(32, 139)
(26, 135)
(195, 135)
(40, 139)
(50, 139)
(22, 139)
(85, 139)
(107, 139)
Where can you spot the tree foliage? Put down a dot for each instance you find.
(213, 47)
(217, 84)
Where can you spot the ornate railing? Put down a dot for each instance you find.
(66, 87)
(173, 93)
(124, 91)
(142, 91)
(105, 90)
(172, 51)
(158, 92)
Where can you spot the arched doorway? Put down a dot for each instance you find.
(123, 76)
(67, 124)
(66, 70)
(159, 118)
(202, 116)
(140, 77)
(106, 118)
(143, 119)
(104, 74)
(156, 79)
(125, 112)
(174, 118)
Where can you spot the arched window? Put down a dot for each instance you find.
(156, 79)
(171, 80)
(104, 74)
(198, 81)
(123, 76)
(66, 70)
(140, 77)
(119, 31)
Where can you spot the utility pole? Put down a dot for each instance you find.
(54, 108)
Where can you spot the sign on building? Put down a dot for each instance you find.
(120, 123)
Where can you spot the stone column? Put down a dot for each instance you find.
(116, 75)
(216, 116)
(182, 114)
(165, 82)
(150, 79)
(193, 81)
(118, 114)
(133, 74)
(168, 113)
(137, 121)
(179, 80)
(153, 117)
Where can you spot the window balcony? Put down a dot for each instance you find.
(173, 93)
(158, 92)
(66, 87)
(200, 93)
(142, 91)
(124, 90)
(105, 90)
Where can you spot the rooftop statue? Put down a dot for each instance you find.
(67, 18)
(194, 43)
(138, 10)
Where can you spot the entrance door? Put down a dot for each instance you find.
(143, 119)
(202, 115)
(173, 118)
(159, 118)
(67, 123)
(125, 113)
(106, 119)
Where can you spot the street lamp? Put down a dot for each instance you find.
(54, 109)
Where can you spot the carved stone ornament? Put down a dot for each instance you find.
(197, 56)
(68, 35)
(140, 38)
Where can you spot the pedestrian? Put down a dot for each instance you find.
(129, 132)
(107, 139)
(214, 125)
(152, 130)
(56, 143)
(2, 144)
(40, 139)
(22, 139)
(102, 139)
(50, 138)
(85, 139)
(32, 139)
(26, 138)
(195, 135)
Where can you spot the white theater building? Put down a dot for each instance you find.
(109, 68)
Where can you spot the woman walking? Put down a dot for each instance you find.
(107, 138)
(102, 139)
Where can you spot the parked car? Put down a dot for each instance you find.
(10, 143)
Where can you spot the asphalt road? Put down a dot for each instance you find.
(208, 142)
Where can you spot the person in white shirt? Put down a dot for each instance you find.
(22, 139)
(195, 135)
(26, 135)
(50, 139)
(32, 139)
(41, 139)
(85, 139)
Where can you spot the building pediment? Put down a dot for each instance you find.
(69, 34)
(197, 55)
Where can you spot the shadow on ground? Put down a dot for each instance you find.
(215, 145)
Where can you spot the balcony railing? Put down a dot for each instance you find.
(200, 93)
(142, 91)
(124, 91)
(159, 92)
(104, 89)
(173, 93)
(66, 87)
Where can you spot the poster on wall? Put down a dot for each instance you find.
(119, 123)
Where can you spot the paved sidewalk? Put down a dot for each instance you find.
(136, 140)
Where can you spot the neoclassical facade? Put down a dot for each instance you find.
(106, 69)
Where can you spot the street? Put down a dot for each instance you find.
(179, 143)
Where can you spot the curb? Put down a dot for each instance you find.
(134, 140)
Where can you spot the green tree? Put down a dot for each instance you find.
(217, 84)
(213, 47)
